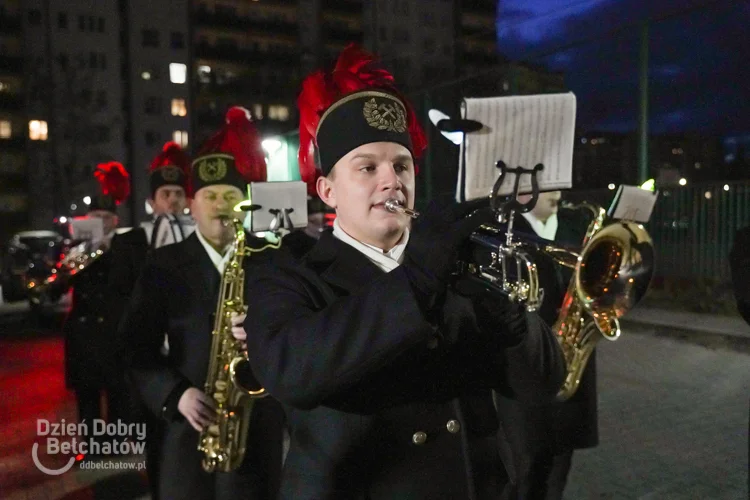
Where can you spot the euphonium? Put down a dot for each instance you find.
(223, 442)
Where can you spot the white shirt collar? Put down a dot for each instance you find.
(546, 230)
(387, 261)
(219, 261)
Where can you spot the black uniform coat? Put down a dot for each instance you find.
(88, 329)
(177, 293)
(739, 263)
(129, 251)
(365, 378)
(556, 427)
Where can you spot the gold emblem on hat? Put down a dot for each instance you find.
(384, 115)
(170, 173)
(212, 168)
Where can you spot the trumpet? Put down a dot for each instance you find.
(395, 206)
(612, 272)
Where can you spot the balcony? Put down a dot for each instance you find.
(342, 35)
(10, 25)
(343, 7)
(11, 65)
(255, 57)
(272, 28)
(13, 144)
(11, 102)
(479, 7)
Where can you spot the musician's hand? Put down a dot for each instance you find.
(434, 241)
(499, 318)
(197, 408)
(238, 330)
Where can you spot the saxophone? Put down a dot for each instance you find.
(611, 274)
(223, 442)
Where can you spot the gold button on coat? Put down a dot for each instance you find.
(419, 437)
(453, 426)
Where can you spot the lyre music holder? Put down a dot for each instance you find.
(281, 219)
(506, 211)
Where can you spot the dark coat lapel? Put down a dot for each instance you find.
(199, 262)
(341, 265)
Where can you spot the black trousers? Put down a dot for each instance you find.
(542, 477)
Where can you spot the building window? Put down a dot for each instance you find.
(152, 106)
(177, 40)
(92, 60)
(150, 38)
(102, 61)
(280, 113)
(101, 25)
(204, 74)
(62, 60)
(35, 17)
(101, 98)
(92, 23)
(62, 21)
(177, 72)
(258, 111)
(38, 130)
(178, 107)
(5, 129)
(81, 23)
(180, 137)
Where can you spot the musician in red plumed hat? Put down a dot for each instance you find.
(177, 295)
(88, 327)
(384, 370)
(168, 176)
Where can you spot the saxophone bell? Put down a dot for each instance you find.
(396, 207)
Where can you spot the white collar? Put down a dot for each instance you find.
(219, 261)
(546, 230)
(387, 261)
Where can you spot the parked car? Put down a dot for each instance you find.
(29, 255)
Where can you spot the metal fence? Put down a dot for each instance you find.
(692, 227)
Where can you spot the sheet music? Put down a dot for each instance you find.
(632, 203)
(87, 228)
(522, 131)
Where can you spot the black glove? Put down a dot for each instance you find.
(500, 319)
(431, 253)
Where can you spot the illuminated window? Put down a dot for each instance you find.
(177, 72)
(38, 130)
(280, 113)
(180, 137)
(178, 107)
(4, 129)
(258, 111)
(204, 74)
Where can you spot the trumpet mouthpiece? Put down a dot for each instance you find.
(395, 206)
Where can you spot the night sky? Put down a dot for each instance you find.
(699, 59)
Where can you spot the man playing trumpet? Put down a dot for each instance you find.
(385, 372)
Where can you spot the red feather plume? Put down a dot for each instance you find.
(171, 154)
(240, 139)
(114, 180)
(355, 70)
